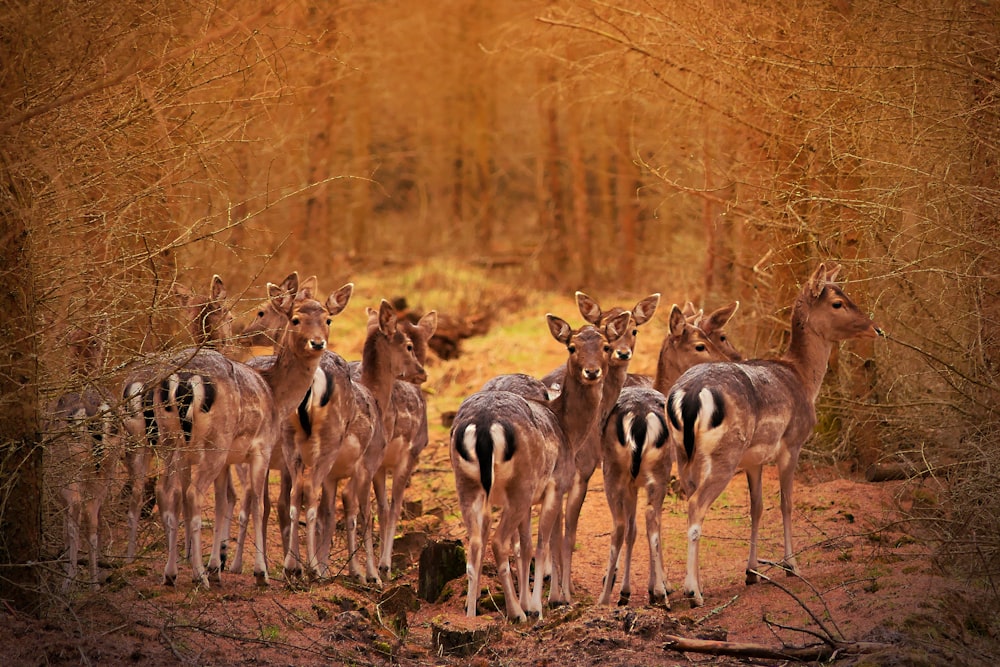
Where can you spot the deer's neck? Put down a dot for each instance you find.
(808, 354)
(376, 375)
(289, 378)
(666, 372)
(613, 383)
(578, 409)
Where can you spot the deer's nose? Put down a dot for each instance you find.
(317, 344)
(591, 374)
(624, 355)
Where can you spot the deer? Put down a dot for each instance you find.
(212, 412)
(388, 359)
(512, 453)
(338, 432)
(706, 328)
(727, 416)
(407, 438)
(87, 443)
(636, 453)
(588, 455)
(268, 326)
(210, 325)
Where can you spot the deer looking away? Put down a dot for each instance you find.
(209, 321)
(388, 358)
(636, 454)
(407, 437)
(87, 445)
(511, 452)
(747, 414)
(212, 412)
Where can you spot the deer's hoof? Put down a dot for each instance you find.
(659, 600)
(261, 579)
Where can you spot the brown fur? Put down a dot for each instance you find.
(212, 413)
(745, 415)
(625, 446)
(530, 450)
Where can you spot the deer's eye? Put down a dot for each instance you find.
(700, 347)
(295, 321)
(409, 347)
(635, 332)
(571, 348)
(722, 338)
(607, 348)
(838, 304)
(260, 313)
(328, 321)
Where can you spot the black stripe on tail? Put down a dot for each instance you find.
(485, 447)
(640, 435)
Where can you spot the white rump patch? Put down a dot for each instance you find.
(627, 422)
(707, 407)
(654, 428)
(675, 405)
(134, 398)
(469, 441)
(198, 391)
(173, 382)
(499, 442)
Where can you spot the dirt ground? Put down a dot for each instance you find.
(866, 577)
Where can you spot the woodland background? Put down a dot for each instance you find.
(711, 151)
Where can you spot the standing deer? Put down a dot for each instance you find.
(86, 443)
(268, 326)
(210, 324)
(407, 438)
(212, 412)
(511, 452)
(388, 358)
(333, 413)
(748, 414)
(588, 454)
(636, 454)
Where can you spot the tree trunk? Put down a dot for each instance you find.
(20, 450)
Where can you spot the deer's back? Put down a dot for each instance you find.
(761, 402)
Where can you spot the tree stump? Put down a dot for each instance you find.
(440, 562)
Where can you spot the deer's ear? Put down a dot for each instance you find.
(282, 300)
(386, 318)
(645, 309)
(429, 323)
(589, 309)
(559, 328)
(831, 273)
(719, 318)
(309, 288)
(616, 327)
(218, 289)
(338, 300)
(677, 321)
(817, 282)
(290, 283)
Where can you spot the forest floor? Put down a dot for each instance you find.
(864, 577)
